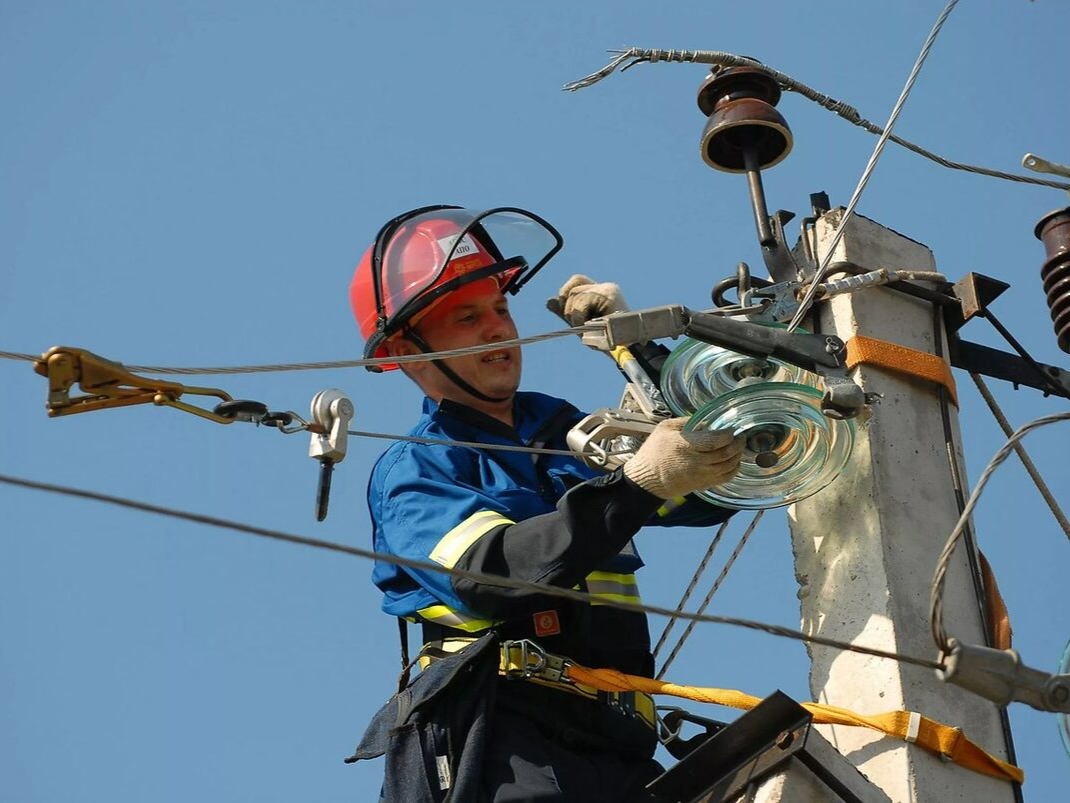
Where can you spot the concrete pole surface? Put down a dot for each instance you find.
(866, 546)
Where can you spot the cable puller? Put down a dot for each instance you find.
(745, 365)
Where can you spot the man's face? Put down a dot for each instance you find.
(475, 314)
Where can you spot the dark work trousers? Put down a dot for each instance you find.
(459, 733)
(523, 762)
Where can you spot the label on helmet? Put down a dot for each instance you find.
(465, 248)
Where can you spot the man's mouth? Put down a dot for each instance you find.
(497, 356)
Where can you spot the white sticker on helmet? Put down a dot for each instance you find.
(465, 248)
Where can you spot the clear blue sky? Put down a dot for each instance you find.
(192, 183)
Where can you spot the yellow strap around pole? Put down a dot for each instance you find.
(934, 736)
(869, 351)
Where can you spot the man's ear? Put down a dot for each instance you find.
(401, 346)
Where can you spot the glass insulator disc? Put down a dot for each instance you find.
(792, 450)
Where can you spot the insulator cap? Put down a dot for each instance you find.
(1054, 231)
(740, 105)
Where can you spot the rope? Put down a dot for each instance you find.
(470, 444)
(811, 292)
(318, 366)
(1030, 467)
(936, 610)
(713, 590)
(844, 110)
(478, 577)
(936, 737)
(691, 586)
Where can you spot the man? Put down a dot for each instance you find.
(489, 718)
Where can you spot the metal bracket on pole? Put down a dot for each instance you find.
(1000, 676)
(331, 411)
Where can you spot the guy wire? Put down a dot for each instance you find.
(479, 577)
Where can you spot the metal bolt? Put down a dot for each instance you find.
(1060, 694)
(785, 739)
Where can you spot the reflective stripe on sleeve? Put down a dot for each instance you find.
(450, 617)
(671, 505)
(613, 586)
(457, 541)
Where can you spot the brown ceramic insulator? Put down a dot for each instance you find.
(739, 103)
(1054, 231)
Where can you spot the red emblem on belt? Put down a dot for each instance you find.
(546, 623)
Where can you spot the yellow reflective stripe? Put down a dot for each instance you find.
(451, 617)
(619, 587)
(671, 505)
(457, 541)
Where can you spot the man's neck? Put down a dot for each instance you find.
(500, 411)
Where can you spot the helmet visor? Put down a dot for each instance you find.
(422, 256)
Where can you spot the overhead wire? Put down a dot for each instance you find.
(699, 571)
(637, 55)
(478, 577)
(713, 590)
(841, 227)
(1030, 466)
(503, 447)
(936, 609)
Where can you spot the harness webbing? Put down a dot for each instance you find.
(909, 726)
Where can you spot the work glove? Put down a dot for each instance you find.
(672, 462)
(582, 299)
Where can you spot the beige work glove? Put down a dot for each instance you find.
(581, 299)
(672, 462)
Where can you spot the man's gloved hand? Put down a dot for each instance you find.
(581, 299)
(672, 462)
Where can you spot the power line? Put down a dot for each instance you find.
(477, 577)
(699, 571)
(841, 228)
(936, 610)
(713, 590)
(1030, 467)
(637, 55)
(318, 366)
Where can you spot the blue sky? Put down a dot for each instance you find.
(193, 183)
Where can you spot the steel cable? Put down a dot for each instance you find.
(1030, 467)
(841, 227)
(691, 586)
(317, 366)
(637, 55)
(713, 590)
(478, 577)
(936, 610)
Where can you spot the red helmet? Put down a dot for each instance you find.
(420, 256)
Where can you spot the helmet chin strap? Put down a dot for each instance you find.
(421, 344)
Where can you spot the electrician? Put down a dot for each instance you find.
(488, 717)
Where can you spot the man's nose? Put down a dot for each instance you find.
(495, 327)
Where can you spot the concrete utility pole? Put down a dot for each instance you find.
(866, 548)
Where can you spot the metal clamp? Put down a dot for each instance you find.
(608, 437)
(332, 411)
(108, 384)
(1000, 676)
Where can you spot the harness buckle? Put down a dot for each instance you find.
(528, 650)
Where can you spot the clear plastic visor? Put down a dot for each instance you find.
(438, 250)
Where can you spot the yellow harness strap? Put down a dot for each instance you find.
(935, 737)
(870, 351)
